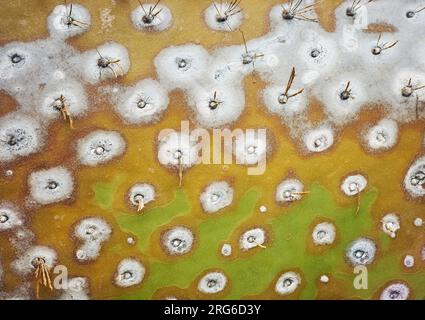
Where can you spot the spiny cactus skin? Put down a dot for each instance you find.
(89, 180)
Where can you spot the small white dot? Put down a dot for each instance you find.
(324, 279)
(418, 222)
(263, 209)
(226, 250)
(409, 261)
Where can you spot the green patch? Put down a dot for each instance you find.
(104, 192)
(288, 249)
